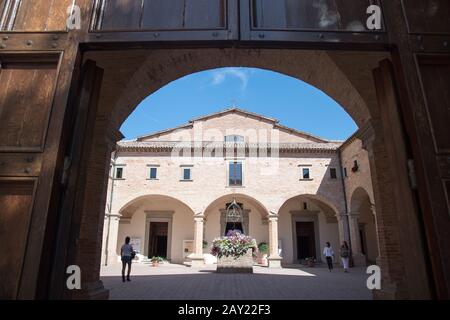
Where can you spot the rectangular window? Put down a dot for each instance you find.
(153, 173)
(234, 138)
(306, 174)
(235, 174)
(119, 173)
(333, 173)
(355, 166)
(186, 174)
(345, 172)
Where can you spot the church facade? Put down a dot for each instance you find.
(169, 191)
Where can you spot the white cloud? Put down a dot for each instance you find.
(241, 74)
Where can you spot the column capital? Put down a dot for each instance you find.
(367, 133)
(118, 216)
(341, 216)
(353, 214)
(112, 137)
(273, 216)
(200, 217)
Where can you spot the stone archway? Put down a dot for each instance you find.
(255, 217)
(363, 228)
(308, 222)
(135, 219)
(130, 76)
(133, 75)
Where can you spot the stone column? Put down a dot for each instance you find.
(112, 232)
(197, 257)
(374, 212)
(274, 257)
(358, 258)
(343, 228)
(85, 250)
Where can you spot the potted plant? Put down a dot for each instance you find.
(310, 262)
(263, 249)
(156, 261)
(234, 253)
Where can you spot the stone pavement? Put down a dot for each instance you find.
(178, 282)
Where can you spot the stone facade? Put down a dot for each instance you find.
(293, 193)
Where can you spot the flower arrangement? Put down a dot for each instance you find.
(235, 244)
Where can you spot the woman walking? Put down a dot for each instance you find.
(329, 254)
(345, 255)
(127, 253)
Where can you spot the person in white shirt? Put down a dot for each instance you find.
(126, 252)
(329, 254)
(345, 255)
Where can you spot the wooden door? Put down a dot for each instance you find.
(158, 239)
(306, 240)
(28, 84)
(434, 73)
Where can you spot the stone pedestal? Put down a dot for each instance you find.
(242, 264)
(197, 261)
(274, 261)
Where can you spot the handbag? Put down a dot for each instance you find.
(133, 254)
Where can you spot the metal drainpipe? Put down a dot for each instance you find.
(110, 206)
(345, 198)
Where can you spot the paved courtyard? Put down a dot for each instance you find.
(179, 282)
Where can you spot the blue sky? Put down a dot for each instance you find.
(295, 103)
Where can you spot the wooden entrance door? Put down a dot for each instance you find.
(158, 239)
(306, 240)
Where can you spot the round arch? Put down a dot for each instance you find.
(131, 206)
(159, 223)
(308, 222)
(365, 231)
(147, 71)
(359, 197)
(326, 205)
(240, 197)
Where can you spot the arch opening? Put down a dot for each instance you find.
(310, 222)
(366, 235)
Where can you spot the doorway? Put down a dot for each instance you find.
(158, 239)
(306, 240)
